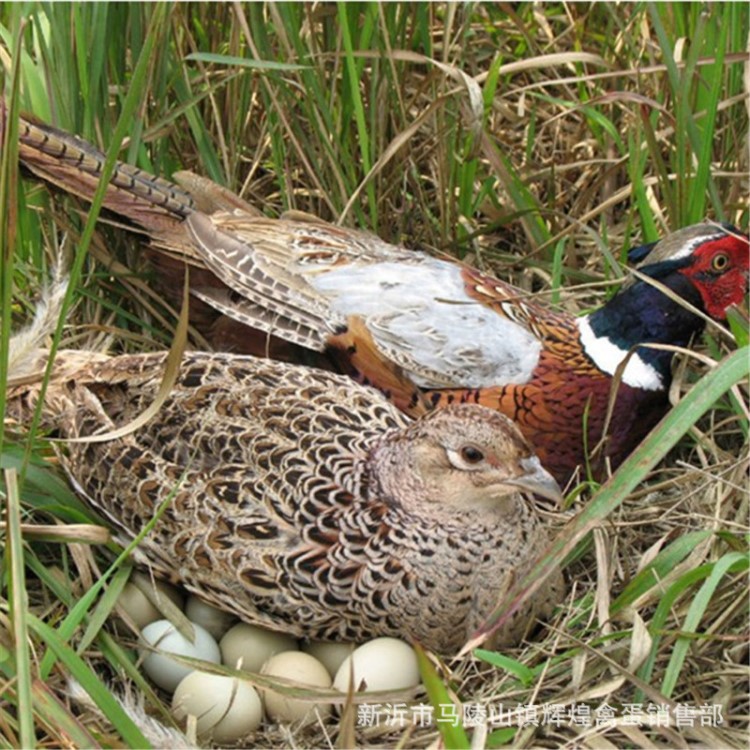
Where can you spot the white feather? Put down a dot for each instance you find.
(25, 347)
(132, 702)
(608, 356)
(420, 315)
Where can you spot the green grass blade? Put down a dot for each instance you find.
(521, 671)
(104, 607)
(447, 715)
(704, 148)
(57, 718)
(19, 606)
(245, 62)
(738, 325)
(658, 568)
(43, 488)
(89, 681)
(8, 215)
(358, 106)
(734, 562)
(501, 737)
(662, 613)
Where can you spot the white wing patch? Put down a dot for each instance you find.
(421, 317)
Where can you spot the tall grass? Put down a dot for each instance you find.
(538, 141)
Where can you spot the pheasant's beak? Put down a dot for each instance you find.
(538, 480)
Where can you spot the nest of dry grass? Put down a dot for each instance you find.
(542, 188)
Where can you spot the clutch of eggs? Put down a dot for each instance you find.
(228, 708)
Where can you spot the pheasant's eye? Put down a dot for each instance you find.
(719, 262)
(471, 454)
(466, 457)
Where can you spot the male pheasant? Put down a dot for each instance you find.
(412, 324)
(302, 501)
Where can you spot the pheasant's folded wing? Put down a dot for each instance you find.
(302, 280)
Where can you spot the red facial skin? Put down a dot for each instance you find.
(719, 271)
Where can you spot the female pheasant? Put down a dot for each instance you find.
(412, 324)
(301, 501)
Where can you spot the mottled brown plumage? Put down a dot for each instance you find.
(303, 501)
